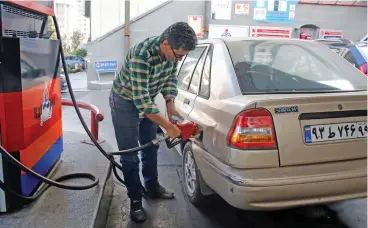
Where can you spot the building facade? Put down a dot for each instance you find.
(107, 15)
(296, 19)
(70, 15)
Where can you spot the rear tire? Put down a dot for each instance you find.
(191, 176)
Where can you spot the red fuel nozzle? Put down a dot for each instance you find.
(188, 129)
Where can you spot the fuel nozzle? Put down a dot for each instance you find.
(188, 130)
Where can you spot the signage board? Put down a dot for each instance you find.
(196, 22)
(223, 31)
(330, 34)
(282, 11)
(106, 66)
(221, 9)
(242, 9)
(275, 32)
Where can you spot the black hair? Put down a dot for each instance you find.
(180, 35)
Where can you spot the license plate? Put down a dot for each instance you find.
(332, 132)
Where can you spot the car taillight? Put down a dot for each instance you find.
(253, 129)
(363, 68)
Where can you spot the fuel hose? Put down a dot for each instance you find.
(57, 182)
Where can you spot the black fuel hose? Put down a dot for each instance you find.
(49, 182)
(56, 183)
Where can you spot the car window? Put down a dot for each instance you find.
(276, 66)
(188, 66)
(204, 90)
(336, 49)
(364, 51)
(350, 58)
(299, 63)
(195, 81)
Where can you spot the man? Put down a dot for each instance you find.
(149, 68)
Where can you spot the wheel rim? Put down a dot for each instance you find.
(190, 173)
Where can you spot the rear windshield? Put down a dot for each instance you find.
(276, 66)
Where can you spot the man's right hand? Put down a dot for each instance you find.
(173, 131)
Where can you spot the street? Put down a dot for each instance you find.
(179, 212)
(79, 81)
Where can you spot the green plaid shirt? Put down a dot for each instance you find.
(144, 75)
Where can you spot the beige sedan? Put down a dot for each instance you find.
(283, 123)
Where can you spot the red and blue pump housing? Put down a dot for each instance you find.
(30, 96)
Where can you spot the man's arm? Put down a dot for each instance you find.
(170, 91)
(139, 70)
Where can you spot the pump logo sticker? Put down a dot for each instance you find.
(44, 111)
(226, 33)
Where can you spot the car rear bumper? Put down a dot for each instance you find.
(283, 187)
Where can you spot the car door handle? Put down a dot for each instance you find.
(186, 101)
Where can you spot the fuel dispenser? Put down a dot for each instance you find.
(30, 98)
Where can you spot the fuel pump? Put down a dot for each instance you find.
(30, 102)
(31, 140)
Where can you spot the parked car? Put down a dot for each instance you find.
(63, 85)
(355, 53)
(364, 39)
(73, 60)
(337, 45)
(283, 123)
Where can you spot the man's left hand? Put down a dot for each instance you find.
(171, 111)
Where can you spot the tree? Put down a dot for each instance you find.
(80, 52)
(76, 40)
(66, 46)
(51, 27)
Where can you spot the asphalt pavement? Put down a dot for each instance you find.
(179, 212)
(79, 81)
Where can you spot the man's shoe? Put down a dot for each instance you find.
(137, 212)
(159, 192)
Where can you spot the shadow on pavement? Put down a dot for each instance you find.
(221, 214)
(308, 217)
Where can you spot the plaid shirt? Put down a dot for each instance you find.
(144, 75)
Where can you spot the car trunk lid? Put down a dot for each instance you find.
(320, 127)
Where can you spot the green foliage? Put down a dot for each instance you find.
(80, 52)
(51, 27)
(71, 45)
(66, 46)
(71, 71)
(76, 40)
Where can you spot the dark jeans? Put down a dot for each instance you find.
(129, 129)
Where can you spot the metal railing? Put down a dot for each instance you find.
(96, 115)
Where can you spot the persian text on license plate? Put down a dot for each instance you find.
(331, 132)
